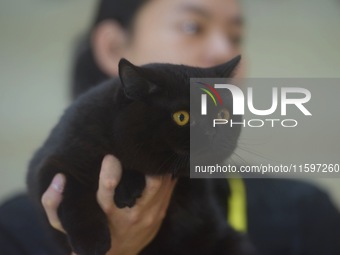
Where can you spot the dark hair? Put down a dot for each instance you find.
(85, 72)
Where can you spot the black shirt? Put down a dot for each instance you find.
(285, 217)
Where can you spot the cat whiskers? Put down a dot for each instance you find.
(178, 163)
(253, 153)
(240, 159)
(159, 170)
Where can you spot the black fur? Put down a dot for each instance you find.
(131, 118)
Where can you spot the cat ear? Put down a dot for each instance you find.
(227, 70)
(134, 83)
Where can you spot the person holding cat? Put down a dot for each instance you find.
(197, 33)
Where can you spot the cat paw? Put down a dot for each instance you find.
(129, 189)
(126, 198)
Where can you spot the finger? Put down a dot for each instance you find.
(51, 200)
(163, 189)
(168, 193)
(158, 205)
(153, 184)
(110, 175)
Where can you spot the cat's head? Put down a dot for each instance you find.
(154, 123)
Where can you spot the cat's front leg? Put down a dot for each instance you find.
(84, 221)
(130, 188)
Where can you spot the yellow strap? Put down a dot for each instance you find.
(237, 209)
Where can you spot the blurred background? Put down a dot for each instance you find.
(283, 39)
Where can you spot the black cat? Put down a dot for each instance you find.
(142, 119)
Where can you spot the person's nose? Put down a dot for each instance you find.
(219, 49)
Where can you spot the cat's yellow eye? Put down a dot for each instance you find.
(181, 117)
(223, 114)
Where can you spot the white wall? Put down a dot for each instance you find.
(298, 38)
(35, 49)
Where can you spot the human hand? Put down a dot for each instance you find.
(131, 228)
